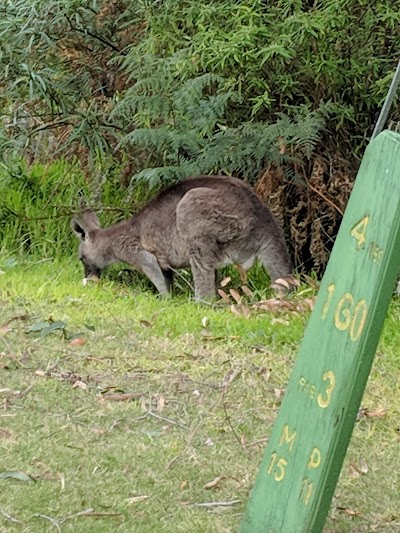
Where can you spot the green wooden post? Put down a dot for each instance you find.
(303, 459)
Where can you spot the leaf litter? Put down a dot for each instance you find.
(242, 304)
(16, 474)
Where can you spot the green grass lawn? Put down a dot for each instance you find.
(139, 410)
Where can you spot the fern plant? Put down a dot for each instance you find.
(185, 127)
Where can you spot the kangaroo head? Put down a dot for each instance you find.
(92, 248)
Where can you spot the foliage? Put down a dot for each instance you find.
(165, 89)
(38, 202)
(68, 63)
(187, 130)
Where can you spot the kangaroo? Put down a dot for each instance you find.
(203, 223)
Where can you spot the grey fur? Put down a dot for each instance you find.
(202, 223)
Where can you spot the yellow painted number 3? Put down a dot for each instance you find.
(325, 399)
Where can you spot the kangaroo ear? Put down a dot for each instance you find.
(78, 229)
(88, 222)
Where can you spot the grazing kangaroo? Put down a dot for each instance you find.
(202, 223)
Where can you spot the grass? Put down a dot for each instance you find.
(201, 408)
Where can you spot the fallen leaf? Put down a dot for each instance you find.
(16, 474)
(224, 296)
(280, 321)
(354, 471)
(235, 310)
(212, 484)
(231, 376)
(363, 466)
(240, 310)
(376, 413)
(146, 323)
(136, 499)
(184, 485)
(204, 321)
(45, 328)
(247, 291)
(244, 310)
(78, 341)
(264, 372)
(235, 295)
(283, 282)
(278, 393)
(37, 327)
(79, 385)
(312, 282)
(310, 302)
(274, 304)
(5, 433)
(205, 332)
(350, 512)
(160, 403)
(5, 328)
(225, 281)
(92, 278)
(40, 373)
(123, 397)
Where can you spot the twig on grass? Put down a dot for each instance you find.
(99, 514)
(232, 428)
(55, 522)
(214, 386)
(25, 391)
(118, 323)
(216, 504)
(75, 515)
(257, 442)
(6, 343)
(169, 420)
(11, 518)
(188, 442)
(89, 513)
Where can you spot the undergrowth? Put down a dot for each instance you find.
(37, 203)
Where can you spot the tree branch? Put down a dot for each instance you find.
(95, 36)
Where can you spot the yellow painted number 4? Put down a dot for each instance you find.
(358, 231)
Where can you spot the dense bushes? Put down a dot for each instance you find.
(284, 94)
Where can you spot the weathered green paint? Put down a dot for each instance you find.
(303, 459)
